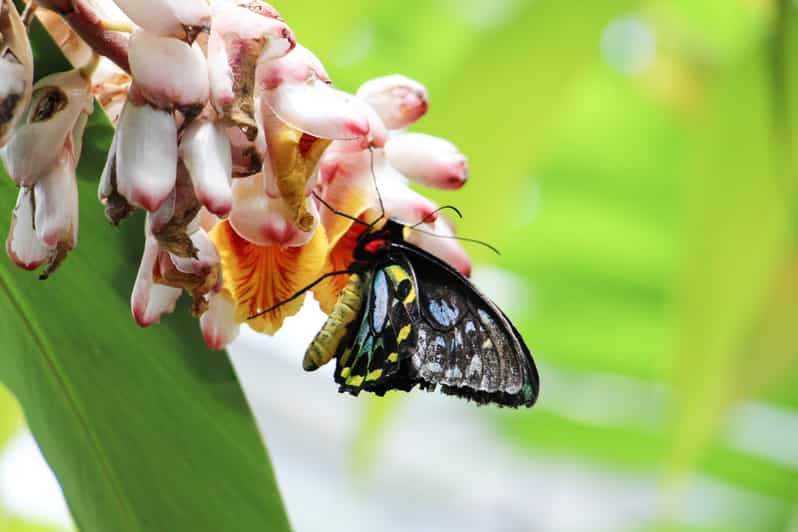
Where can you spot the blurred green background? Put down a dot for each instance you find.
(635, 163)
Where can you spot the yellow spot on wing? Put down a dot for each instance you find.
(393, 357)
(398, 275)
(374, 375)
(404, 333)
(411, 296)
(345, 372)
(355, 380)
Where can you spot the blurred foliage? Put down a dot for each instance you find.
(650, 210)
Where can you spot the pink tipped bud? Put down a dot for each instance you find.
(248, 26)
(151, 300)
(205, 151)
(167, 71)
(319, 110)
(167, 17)
(300, 66)
(427, 160)
(398, 100)
(56, 196)
(22, 245)
(146, 156)
(218, 323)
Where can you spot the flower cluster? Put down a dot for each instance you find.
(231, 137)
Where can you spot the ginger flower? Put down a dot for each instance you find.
(44, 225)
(232, 138)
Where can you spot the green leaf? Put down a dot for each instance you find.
(145, 429)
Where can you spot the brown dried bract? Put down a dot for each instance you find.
(172, 236)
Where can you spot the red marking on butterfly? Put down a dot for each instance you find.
(374, 246)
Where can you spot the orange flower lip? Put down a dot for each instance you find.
(258, 277)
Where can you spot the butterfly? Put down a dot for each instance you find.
(406, 319)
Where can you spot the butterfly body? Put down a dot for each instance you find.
(408, 319)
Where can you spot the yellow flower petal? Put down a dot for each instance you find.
(259, 277)
(294, 158)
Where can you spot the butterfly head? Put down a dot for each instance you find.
(374, 244)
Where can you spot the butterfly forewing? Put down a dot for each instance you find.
(465, 343)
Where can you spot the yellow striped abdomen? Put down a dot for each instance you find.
(329, 338)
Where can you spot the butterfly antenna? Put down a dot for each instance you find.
(460, 238)
(376, 188)
(336, 211)
(297, 294)
(436, 211)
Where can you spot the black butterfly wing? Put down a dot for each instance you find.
(465, 343)
(422, 323)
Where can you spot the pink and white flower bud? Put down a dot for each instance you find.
(263, 219)
(319, 110)
(22, 245)
(167, 17)
(428, 160)
(52, 119)
(205, 150)
(150, 300)
(16, 69)
(300, 66)
(219, 325)
(56, 197)
(234, 29)
(167, 71)
(146, 155)
(398, 100)
(436, 238)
